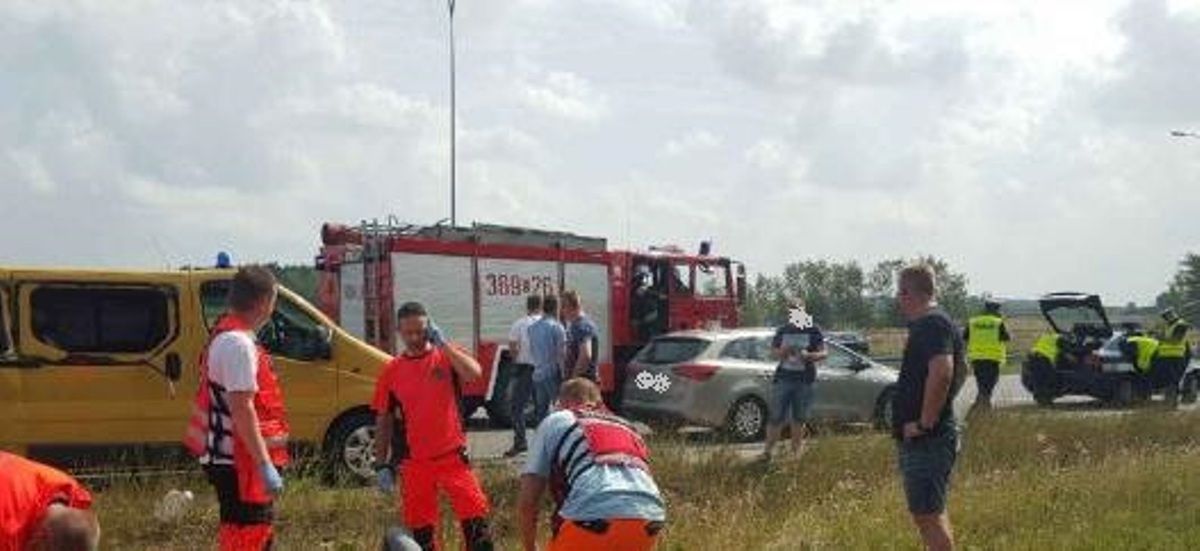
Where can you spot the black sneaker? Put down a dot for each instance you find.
(515, 451)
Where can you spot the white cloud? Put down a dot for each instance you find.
(566, 95)
(692, 142)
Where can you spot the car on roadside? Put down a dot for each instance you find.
(722, 379)
(850, 339)
(1096, 360)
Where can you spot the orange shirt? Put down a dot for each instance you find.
(420, 390)
(27, 489)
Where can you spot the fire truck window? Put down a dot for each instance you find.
(212, 301)
(683, 279)
(292, 333)
(117, 320)
(710, 280)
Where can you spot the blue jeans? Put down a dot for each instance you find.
(522, 383)
(925, 464)
(794, 395)
(545, 391)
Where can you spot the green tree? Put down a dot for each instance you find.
(1183, 293)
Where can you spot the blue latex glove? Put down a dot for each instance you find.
(386, 480)
(434, 334)
(271, 478)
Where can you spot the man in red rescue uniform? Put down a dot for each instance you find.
(239, 428)
(43, 508)
(419, 427)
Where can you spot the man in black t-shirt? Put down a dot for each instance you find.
(923, 413)
(798, 345)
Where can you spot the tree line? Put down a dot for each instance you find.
(844, 295)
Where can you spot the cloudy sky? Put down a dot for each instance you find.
(1024, 141)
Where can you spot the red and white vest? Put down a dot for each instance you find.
(611, 440)
(210, 434)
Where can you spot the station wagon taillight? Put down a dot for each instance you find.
(695, 372)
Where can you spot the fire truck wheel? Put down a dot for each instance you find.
(500, 404)
(350, 448)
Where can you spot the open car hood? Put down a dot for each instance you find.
(1075, 312)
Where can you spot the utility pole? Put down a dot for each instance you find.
(453, 129)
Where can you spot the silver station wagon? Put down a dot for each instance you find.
(722, 379)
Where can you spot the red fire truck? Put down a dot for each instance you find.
(474, 280)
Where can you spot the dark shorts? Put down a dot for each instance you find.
(926, 464)
(790, 395)
(234, 507)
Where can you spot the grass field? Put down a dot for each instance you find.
(1027, 480)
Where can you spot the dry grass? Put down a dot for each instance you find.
(1027, 480)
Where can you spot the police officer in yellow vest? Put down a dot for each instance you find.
(987, 350)
(1142, 350)
(1173, 351)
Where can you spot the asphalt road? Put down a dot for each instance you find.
(489, 444)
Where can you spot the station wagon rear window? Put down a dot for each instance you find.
(101, 319)
(671, 350)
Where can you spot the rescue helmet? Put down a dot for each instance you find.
(1170, 315)
(991, 305)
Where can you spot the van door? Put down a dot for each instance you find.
(98, 355)
(297, 337)
(10, 382)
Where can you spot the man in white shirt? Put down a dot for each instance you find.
(521, 372)
(239, 427)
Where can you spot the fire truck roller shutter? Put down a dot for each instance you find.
(591, 281)
(351, 307)
(443, 284)
(503, 286)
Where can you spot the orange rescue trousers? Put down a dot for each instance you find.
(419, 482)
(606, 535)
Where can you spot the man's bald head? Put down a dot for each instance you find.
(67, 529)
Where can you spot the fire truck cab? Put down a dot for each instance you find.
(474, 280)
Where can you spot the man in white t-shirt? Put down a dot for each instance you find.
(239, 427)
(521, 372)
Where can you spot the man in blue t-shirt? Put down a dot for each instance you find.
(583, 339)
(547, 344)
(798, 345)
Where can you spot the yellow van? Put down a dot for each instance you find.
(108, 359)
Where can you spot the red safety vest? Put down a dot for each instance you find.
(268, 402)
(611, 440)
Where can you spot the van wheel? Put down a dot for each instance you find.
(1190, 390)
(351, 448)
(747, 420)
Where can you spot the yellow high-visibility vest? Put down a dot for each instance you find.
(983, 339)
(1047, 347)
(1146, 347)
(1174, 342)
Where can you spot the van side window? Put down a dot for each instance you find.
(6, 326)
(101, 319)
(683, 279)
(212, 301)
(292, 333)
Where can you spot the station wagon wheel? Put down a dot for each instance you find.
(747, 419)
(883, 408)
